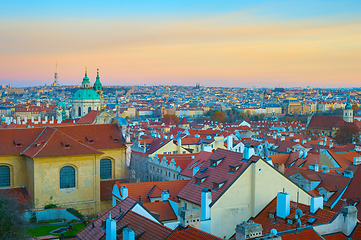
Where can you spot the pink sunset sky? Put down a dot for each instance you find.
(263, 44)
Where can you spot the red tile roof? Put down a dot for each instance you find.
(191, 233)
(331, 182)
(219, 174)
(337, 236)
(88, 118)
(106, 187)
(163, 209)
(196, 162)
(144, 188)
(353, 192)
(322, 216)
(101, 133)
(301, 235)
(182, 160)
(21, 194)
(325, 122)
(52, 142)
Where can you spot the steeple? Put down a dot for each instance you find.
(348, 111)
(86, 82)
(98, 85)
(348, 103)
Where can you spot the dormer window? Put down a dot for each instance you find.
(65, 144)
(198, 180)
(38, 144)
(289, 221)
(216, 162)
(114, 138)
(18, 143)
(89, 139)
(232, 169)
(217, 186)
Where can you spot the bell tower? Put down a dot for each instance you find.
(98, 87)
(348, 111)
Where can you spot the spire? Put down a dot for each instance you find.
(86, 82)
(98, 85)
(117, 108)
(348, 104)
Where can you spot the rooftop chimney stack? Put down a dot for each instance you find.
(110, 228)
(165, 196)
(124, 192)
(246, 151)
(206, 200)
(230, 142)
(128, 234)
(350, 219)
(283, 204)
(316, 203)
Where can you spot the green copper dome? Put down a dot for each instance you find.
(98, 84)
(86, 93)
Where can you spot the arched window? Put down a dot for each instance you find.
(67, 177)
(105, 168)
(79, 111)
(4, 176)
(89, 109)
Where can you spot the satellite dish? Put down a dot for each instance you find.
(273, 232)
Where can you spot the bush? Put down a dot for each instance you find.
(76, 213)
(51, 206)
(33, 218)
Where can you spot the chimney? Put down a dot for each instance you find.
(39, 119)
(18, 120)
(316, 203)
(230, 142)
(165, 196)
(59, 119)
(303, 141)
(320, 143)
(25, 119)
(330, 145)
(32, 119)
(128, 234)
(304, 154)
(274, 136)
(246, 151)
(316, 167)
(179, 142)
(124, 192)
(350, 219)
(282, 138)
(110, 228)
(248, 230)
(206, 200)
(283, 204)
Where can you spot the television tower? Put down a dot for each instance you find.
(56, 82)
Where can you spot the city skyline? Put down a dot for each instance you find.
(238, 44)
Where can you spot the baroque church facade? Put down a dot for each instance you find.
(87, 98)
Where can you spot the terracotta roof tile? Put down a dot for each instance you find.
(21, 194)
(322, 216)
(143, 188)
(337, 236)
(192, 191)
(301, 235)
(163, 209)
(191, 233)
(106, 187)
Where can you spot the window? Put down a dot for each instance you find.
(79, 111)
(89, 109)
(4, 176)
(105, 168)
(67, 177)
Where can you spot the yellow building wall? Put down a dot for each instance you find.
(41, 177)
(169, 147)
(256, 187)
(17, 169)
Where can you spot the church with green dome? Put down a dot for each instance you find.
(87, 98)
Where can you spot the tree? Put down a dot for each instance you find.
(244, 116)
(12, 221)
(218, 116)
(347, 133)
(355, 109)
(172, 116)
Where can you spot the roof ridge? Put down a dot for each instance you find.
(52, 134)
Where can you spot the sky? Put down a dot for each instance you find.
(237, 43)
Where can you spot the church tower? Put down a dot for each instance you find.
(348, 111)
(98, 87)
